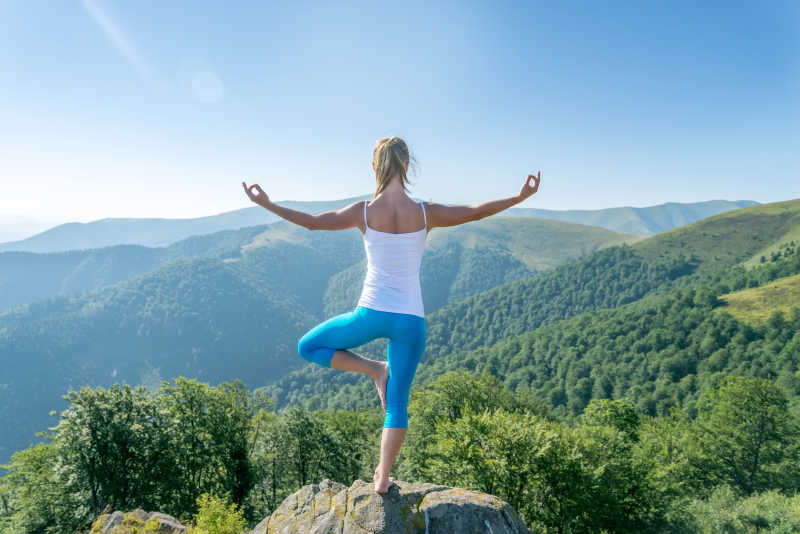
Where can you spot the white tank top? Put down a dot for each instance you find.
(393, 260)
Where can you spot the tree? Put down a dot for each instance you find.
(620, 414)
(745, 431)
(446, 399)
(208, 429)
(34, 500)
(107, 441)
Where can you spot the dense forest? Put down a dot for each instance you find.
(732, 467)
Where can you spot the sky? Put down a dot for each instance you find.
(145, 108)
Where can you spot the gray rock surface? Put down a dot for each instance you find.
(118, 522)
(333, 508)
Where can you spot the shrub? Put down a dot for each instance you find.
(217, 515)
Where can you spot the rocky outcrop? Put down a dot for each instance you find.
(333, 508)
(136, 521)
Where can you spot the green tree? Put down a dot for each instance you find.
(746, 432)
(620, 414)
(446, 399)
(519, 457)
(307, 447)
(107, 440)
(208, 431)
(357, 435)
(33, 496)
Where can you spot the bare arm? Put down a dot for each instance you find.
(443, 215)
(348, 217)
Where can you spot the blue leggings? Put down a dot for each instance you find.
(406, 333)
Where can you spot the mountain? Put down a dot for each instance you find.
(27, 276)
(157, 232)
(16, 227)
(162, 232)
(231, 305)
(642, 221)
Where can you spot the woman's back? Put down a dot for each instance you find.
(395, 214)
(394, 257)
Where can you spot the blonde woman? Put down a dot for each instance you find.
(394, 229)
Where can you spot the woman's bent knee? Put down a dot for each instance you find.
(319, 355)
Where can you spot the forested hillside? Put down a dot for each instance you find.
(229, 305)
(28, 277)
(698, 256)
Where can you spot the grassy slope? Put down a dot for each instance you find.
(756, 305)
(729, 238)
(540, 244)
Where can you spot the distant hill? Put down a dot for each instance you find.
(642, 221)
(16, 227)
(156, 232)
(28, 276)
(162, 232)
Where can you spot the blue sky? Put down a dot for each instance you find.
(160, 109)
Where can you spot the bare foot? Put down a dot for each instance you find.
(381, 484)
(380, 383)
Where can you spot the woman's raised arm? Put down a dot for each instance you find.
(347, 217)
(444, 215)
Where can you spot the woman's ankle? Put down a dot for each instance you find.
(380, 473)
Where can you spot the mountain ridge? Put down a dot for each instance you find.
(152, 232)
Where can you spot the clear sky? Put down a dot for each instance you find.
(146, 108)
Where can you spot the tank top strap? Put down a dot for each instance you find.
(365, 212)
(424, 217)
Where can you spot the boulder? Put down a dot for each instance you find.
(135, 521)
(333, 508)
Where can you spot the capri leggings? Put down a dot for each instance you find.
(406, 333)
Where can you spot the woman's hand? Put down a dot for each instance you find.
(527, 189)
(260, 197)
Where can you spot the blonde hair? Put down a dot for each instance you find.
(390, 157)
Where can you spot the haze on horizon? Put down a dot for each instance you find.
(127, 109)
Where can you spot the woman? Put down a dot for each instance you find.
(394, 229)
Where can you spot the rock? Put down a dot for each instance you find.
(135, 521)
(333, 508)
(112, 522)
